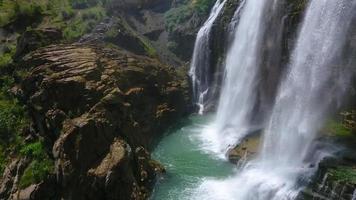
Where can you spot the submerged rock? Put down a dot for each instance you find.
(245, 150)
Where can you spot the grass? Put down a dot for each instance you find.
(335, 128)
(345, 174)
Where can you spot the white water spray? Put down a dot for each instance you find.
(313, 86)
(200, 67)
(238, 95)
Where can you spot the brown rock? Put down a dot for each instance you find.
(245, 150)
(95, 104)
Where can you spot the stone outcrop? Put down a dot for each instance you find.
(35, 38)
(332, 180)
(245, 150)
(102, 110)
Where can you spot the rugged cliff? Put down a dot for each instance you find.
(88, 88)
(101, 109)
(81, 116)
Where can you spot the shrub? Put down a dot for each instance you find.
(83, 22)
(40, 167)
(338, 129)
(343, 174)
(34, 150)
(185, 11)
(202, 7)
(21, 10)
(177, 16)
(12, 120)
(36, 171)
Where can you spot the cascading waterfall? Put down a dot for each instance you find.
(200, 67)
(238, 95)
(316, 79)
(314, 85)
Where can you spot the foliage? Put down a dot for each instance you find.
(83, 22)
(36, 171)
(344, 174)
(6, 57)
(185, 11)
(12, 120)
(40, 167)
(338, 129)
(85, 3)
(151, 51)
(34, 150)
(203, 7)
(177, 16)
(20, 10)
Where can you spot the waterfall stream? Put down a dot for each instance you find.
(238, 95)
(314, 83)
(200, 66)
(312, 87)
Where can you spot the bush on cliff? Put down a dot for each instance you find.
(40, 167)
(184, 11)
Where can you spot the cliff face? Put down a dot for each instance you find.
(96, 107)
(101, 109)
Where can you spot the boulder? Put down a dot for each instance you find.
(245, 150)
(33, 39)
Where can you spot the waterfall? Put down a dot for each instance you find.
(200, 66)
(243, 62)
(314, 84)
(317, 77)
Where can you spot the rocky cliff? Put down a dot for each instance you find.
(99, 110)
(93, 105)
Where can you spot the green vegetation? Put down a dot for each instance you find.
(178, 15)
(36, 171)
(12, 121)
(203, 7)
(151, 51)
(83, 22)
(75, 18)
(185, 11)
(337, 129)
(12, 10)
(6, 57)
(40, 167)
(344, 174)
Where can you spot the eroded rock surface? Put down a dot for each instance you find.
(101, 110)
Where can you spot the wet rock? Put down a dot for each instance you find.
(245, 150)
(334, 180)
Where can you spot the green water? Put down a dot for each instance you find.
(186, 163)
